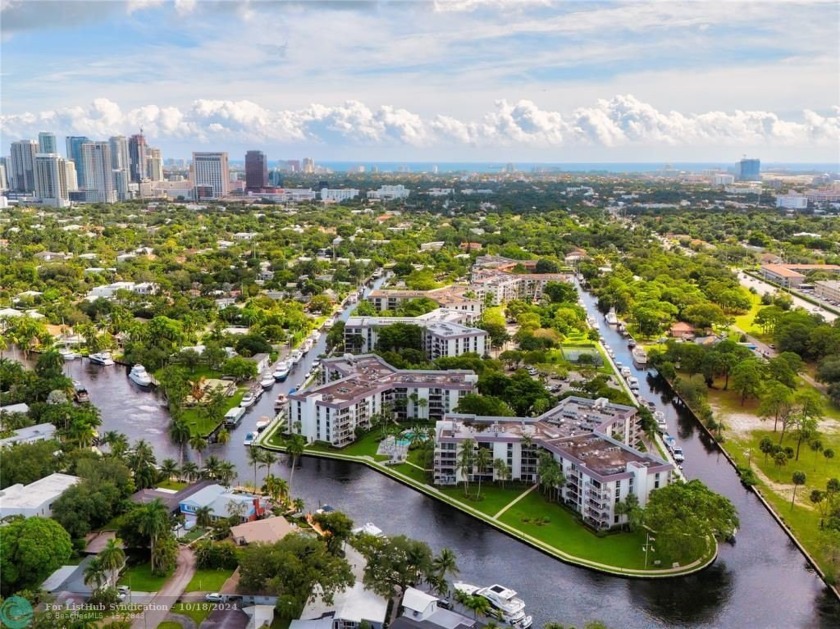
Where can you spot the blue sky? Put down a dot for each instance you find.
(492, 80)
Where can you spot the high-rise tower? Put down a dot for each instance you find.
(256, 170)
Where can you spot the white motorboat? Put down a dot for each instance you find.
(679, 457)
(282, 371)
(101, 358)
(296, 356)
(80, 394)
(267, 381)
(248, 400)
(640, 355)
(262, 423)
(504, 604)
(661, 425)
(139, 376)
(280, 402)
(611, 317)
(625, 371)
(68, 354)
(249, 439)
(328, 324)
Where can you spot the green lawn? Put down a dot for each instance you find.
(745, 321)
(492, 499)
(204, 426)
(168, 624)
(208, 580)
(172, 484)
(557, 526)
(140, 578)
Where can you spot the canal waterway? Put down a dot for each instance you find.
(762, 581)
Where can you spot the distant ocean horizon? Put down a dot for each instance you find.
(571, 167)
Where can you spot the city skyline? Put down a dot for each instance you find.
(467, 80)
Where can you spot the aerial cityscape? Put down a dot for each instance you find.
(446, 314)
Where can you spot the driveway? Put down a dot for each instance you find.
(226, 619)
(157, 611)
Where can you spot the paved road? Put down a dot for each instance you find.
(160, 605)
(763, 288)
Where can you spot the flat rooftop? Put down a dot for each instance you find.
(32, 496)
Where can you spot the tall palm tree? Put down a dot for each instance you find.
(198, 443)
(295, 448)
(500, 467)
(95, 573)
(483, 460)
(211, 467)
(465, 460)
(297, 503)
(276, 488)
(226, 473)
(268, 459)
(445, 563)
(118, 443)
(153, 522)
(142, 463)
(223, 436)
(179, 432)
(255, 458)
(112, 559)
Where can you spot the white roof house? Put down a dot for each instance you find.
(35, 498)
(30, 434)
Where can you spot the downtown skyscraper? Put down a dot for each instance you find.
(256, 171)
(51, 180)
(99, 176)
(47, 143)
(22, 175)
(210, 175)
(74, 152)
(137, 156)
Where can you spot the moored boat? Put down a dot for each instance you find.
(68, 354)
(248, 400)
(267, 381)
(249, 439)
(661, 425)
(282, 371)
(640, 355)
(280, 402)
(101, 358)
(504, 603)
(262, 423)
(139, 376)
(611, 317)
(80, 394)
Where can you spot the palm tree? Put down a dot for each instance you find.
(276, 488)
(798, 479)
(500, 467)
(297, 503)
(117, 441)
(153, 522)
(142, 463)
(255, 457)
(295, 448)
(268, 459)
(483, 459)
(198, 443)
(211, 467)
(203, 517)
(226, 473)
(223, 436)
(465, 460)
(444, 563)
(112, 559)
(179, 432)
(189, 471)
(169, 468)
(477, 605)
(95, 573)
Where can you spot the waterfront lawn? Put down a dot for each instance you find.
(202, 425)
(140, 578)
(172, 484)
(557, 526)
(493, 498)
(208, 580)
(366, 445)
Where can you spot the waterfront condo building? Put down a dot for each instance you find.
(355, 388)
(210, 170)
(22, 161)
(98, 175)
(443, 333)
(47, 143)
(256, 171)
(587, 438)
(51, 180)
(137, 157)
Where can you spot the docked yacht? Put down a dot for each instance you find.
(611, 317)
(139, 376)
(267, 381)
(248, 400)
(296, 356)
(249, 439)
(282, 371)
(679, 457)
(504, 604)
(661, 425)
(280, 402)
(262, 423)
(640, 355)
(80, 394)
(101, 358)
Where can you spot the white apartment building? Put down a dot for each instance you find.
(51, 180)
(443, 333)
(792, 201)
(356, 388)
(494, 276)
(389, 193)
(451, 297)
(828, 289)
(108, 291)
(211, 170)
(98, 175)
(588, 439)
(337, 195)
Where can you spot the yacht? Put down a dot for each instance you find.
(139, 376)
(296, 356)
(262, 423)
(631, 343)
(267, 381)
(80, 394)
(249, 439)
(280, 402)
(611, 317)
(282, 371)
(68, 354)
(101, 358)
(248, 400)
(625, 371)
(679, 457)
(504, 604)
(640, 355)
(661, 425)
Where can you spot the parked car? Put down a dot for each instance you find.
(215, 597)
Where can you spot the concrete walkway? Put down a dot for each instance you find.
(514, 501)
(158, 609)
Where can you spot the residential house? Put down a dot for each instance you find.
(223, 503)
(35, 499)
(267, 531)
(29, 434)
(421, 611)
